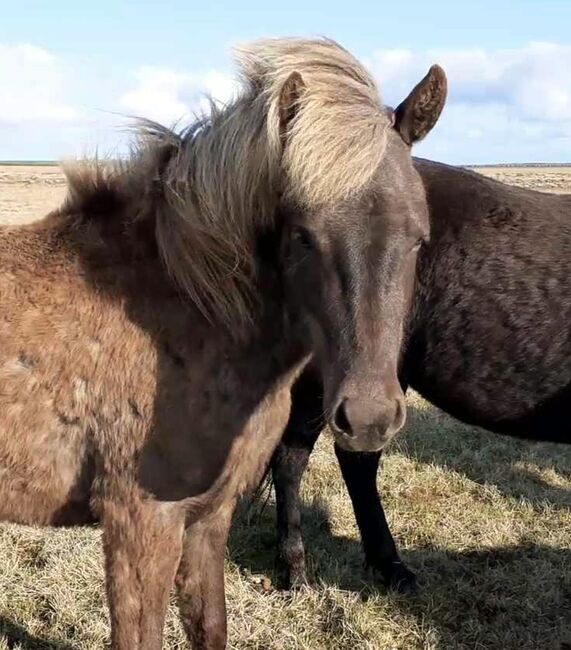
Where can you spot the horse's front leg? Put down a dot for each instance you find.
(200, 580)
(288, 465)
(143, 545)
(359, 472)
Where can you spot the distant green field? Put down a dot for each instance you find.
(27, 163)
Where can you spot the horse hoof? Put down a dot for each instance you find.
(398, 578)
(402, 580)
(406, 585)
(291, 575)
(298, 580)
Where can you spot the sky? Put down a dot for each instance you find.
(71, 73)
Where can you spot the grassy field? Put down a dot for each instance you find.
(484, 520)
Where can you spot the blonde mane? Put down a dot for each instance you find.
(214, 185)
(338, 139)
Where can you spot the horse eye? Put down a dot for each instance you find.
(302, 237)
(419, 242)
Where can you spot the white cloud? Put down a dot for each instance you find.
(86, 109)
(535, 80)
(168, 96)
(503, 105)
(33, 86)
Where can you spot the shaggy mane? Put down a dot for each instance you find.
(212, 186)
(338, 139)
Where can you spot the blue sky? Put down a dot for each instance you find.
(69, 69)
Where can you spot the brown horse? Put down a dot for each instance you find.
(152, 327)
(488, 341)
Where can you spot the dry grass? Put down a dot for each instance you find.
(546, 179)
(484, 520)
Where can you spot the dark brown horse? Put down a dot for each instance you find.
(151, 328)
(488, 341)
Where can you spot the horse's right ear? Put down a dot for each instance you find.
(289, 98)
(420, 111)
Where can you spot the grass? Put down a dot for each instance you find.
(484, 520)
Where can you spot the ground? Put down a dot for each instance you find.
(484, 520)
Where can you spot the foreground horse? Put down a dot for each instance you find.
(489, 342)
(151, 328)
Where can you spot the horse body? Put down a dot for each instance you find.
(70, 386)
(488, 341)
(490, 334)
(104, 363)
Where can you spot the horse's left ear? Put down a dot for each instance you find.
(290, 94)
(420, 111)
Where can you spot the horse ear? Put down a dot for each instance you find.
(420, 111)
(290, 94)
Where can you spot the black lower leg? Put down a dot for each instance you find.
(288, 465)
(359, 472)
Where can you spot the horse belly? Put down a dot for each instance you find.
(513, 394)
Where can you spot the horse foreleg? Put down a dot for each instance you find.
(200, 580)
(143, 544)
(288, 465)
(359, 472)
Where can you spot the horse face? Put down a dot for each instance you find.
(350, 270)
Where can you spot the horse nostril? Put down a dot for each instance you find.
(400, 414)
(341, 421)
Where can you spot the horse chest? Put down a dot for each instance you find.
(215, 430)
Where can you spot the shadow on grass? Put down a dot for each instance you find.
(504, 598)
(16, 636)
(498, 598)
(488, 458)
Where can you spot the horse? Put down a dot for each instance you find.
(488, 341)
(151, 327)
